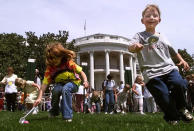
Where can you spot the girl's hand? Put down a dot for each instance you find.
(37, 102)
(86, 84)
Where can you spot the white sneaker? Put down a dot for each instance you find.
(35, 112)
(111, 113)
(123, 112)
(105, 113)
(68, 120)
(141, 113)
(186, 116)
(118, 111)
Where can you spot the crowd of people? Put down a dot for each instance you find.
(122, 99)
(20, 94)
(112, 99)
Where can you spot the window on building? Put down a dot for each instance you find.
(114, 37)
(99, 37)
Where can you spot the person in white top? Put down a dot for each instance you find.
(149, 102)
(10, 89)
(109, 87)
(138, 94)
(79, 96)
(31, 90)
(37, 79)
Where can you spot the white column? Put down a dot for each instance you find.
(92, 69)
(107, 62)
(78, 59)
(134, 68)
(131, 67)
(121, 68)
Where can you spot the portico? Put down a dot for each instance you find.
(104, 56)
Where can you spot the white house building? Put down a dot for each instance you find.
(103, 54)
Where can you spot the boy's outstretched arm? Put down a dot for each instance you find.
(182, 62)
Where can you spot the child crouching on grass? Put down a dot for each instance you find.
(95, 100)
(63, 73)
(31, 90)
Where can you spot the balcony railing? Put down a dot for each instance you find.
(104, 67)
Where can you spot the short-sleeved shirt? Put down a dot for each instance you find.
(10, 87)
(155, 58)
(66, 72)
(109, 85)
(32, 92)
(139, 91)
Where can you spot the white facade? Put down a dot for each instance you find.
(102, 54)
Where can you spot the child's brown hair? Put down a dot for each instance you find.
(57, 49)
(10, 69)
(150, 6)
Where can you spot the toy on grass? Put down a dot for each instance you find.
(23, 119)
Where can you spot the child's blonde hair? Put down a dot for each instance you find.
(57, 49)
(19, 82)
(138, 79)
(151, 6)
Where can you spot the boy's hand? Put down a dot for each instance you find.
(184, 64)
(136, 47)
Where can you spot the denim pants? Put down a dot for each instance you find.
(168, 92)
(64, 90)
(109, 101)
(98, 108)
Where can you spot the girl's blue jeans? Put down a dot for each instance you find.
(64, 90)
(168, 92)
(109, 100)
(98, 108)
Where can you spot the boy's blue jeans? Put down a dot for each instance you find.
(66, 91)
(109, 100)
(168, 92)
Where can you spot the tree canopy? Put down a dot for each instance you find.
(15, 50)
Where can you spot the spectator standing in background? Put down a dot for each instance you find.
(10, 89)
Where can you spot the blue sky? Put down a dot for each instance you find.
(117, 17)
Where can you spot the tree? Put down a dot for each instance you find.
(187, 57)
(15, 50)
(12, 48)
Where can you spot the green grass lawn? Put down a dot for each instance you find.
(88, 122)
